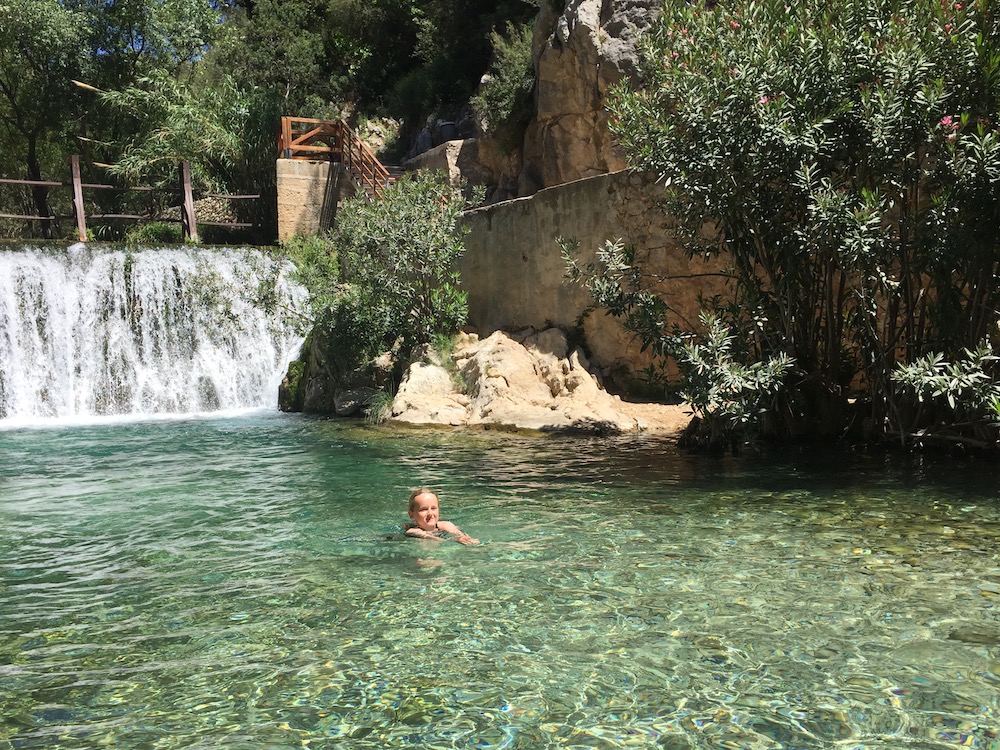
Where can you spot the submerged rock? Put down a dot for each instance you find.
(976, 637)
(527, 381)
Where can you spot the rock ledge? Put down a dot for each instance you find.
(527, 381)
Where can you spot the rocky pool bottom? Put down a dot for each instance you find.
(237, 583)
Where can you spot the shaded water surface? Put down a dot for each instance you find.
(237, 583)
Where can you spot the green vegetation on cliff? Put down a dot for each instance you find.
(384, 280)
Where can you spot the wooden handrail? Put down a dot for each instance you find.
(45, 183)
(308, 138)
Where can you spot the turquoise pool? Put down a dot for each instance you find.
(235, 582)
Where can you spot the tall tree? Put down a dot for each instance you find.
(135, 42)
(41, 53)
(316, 56)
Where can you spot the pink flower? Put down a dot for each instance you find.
(947, 28)
(765, 99)
(951, 124)
(734, 24)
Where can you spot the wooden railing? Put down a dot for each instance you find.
(188, 220)
(307, 138)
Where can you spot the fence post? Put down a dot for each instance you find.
(78, 209)
(286, 138)
(189, 226)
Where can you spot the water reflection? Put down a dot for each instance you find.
(237, 583)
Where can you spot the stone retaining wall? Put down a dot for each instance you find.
(306, 196)
(514, 272)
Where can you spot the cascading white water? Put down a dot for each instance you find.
(93, 331)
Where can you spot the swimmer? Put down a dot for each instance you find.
(424, 522)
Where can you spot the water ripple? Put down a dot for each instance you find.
(238, 583)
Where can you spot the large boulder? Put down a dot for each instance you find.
(528, 381)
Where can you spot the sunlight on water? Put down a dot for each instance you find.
(240, 583)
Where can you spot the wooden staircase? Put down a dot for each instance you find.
(307, 138)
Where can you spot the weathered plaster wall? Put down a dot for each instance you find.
(514, 272)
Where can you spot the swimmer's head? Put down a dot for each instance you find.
(423, 510)
(417, 493)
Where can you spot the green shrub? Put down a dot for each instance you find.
(378, 409)
(399, 254)
(385, 278)
(842, 156)
(504, 103)
(726, 394)
(958, 401)
(317, 268)
(155, 233)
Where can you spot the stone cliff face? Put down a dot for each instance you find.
(579, 55)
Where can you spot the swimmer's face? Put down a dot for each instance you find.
(425, 511)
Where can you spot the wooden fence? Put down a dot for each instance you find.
(307, 138)
(188, 220)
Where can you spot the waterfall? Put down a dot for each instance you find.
(92, 331)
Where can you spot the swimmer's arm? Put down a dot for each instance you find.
(460, 536)
(421, 534)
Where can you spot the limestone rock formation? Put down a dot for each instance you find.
(529, 381)
(579, 56)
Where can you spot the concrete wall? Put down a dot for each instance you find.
(303, 196)
(514, 272)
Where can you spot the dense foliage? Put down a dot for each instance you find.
(844, 157)
(504, 101)
(385, 279)
(138, 85)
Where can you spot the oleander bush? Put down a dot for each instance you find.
(385, 278)
(843, 157)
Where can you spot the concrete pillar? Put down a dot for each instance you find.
(304, 196)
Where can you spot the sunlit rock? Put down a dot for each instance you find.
(427, 395)
(532, 381)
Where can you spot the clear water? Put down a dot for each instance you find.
(237, 583)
